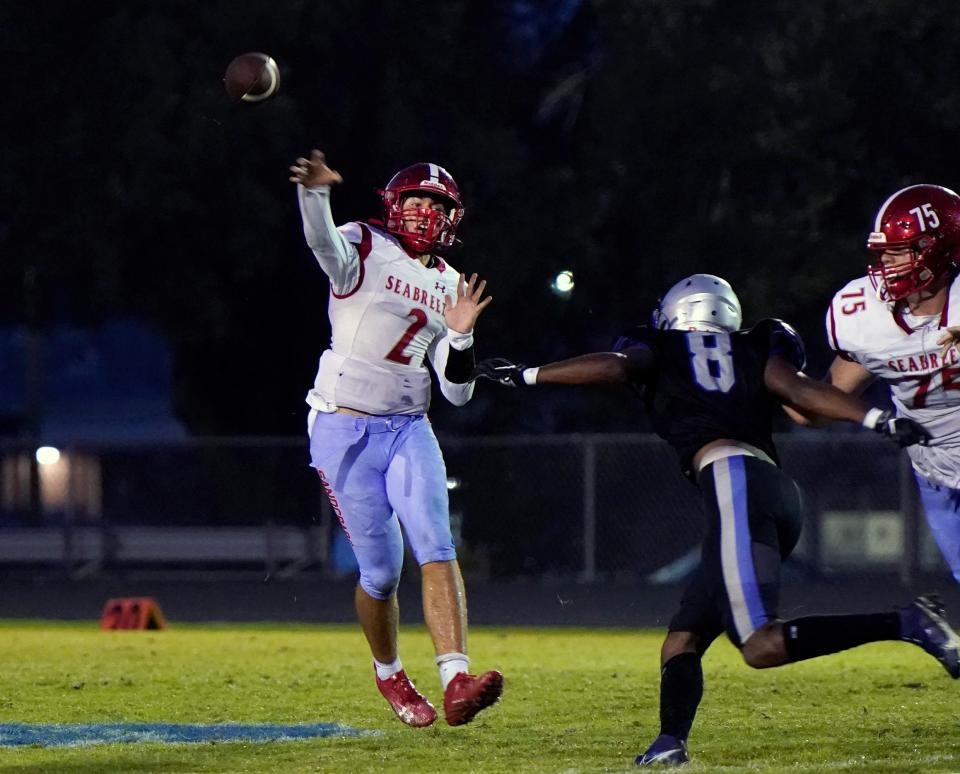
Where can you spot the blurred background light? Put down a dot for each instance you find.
(562, 284)
(48, 455)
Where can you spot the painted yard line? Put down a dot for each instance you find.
(78, 735)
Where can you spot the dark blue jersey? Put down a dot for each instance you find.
(701, 386)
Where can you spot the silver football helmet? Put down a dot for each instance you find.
(701, 302)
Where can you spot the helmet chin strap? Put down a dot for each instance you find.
(414, 251)
(925, 286)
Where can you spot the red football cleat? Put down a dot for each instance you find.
(466, 695)
(412, 708)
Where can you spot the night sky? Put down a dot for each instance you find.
(630, 143)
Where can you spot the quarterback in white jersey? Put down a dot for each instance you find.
(395, 304)
(387, 315)
(896, 323)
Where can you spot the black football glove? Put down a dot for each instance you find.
(900, 430)
(499, 369)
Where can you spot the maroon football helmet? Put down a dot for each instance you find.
(437, 230)
(925, 219)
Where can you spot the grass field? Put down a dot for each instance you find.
(575, 701)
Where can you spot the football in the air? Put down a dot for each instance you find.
(252, 77)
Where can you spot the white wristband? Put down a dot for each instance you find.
(871, 418)
(530, 375)
(460, 341)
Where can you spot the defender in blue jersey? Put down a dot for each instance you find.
(711, 389)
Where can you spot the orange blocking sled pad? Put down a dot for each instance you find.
(132, 613)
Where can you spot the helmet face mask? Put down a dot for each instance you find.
(421, 229)
(433, 230)
(921, 225)
(701, 302)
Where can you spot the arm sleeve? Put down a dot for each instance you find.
(337, 256)
(460, 363)
(449, 362)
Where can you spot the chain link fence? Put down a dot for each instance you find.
(591, 506)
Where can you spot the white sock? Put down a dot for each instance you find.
(450, 665)
(387, 670)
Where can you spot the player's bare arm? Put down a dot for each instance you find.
(314, 171)
(462, 315)
(845, 375)
(594, 368)
(809, 395)
(816, 398)
(848, 376)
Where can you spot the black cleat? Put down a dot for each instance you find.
(666, 750)
(923, 624)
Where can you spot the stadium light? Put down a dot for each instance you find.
(562, 284)
(48, 455)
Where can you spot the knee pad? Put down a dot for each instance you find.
(381, 582)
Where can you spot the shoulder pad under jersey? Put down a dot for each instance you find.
(351, 232)
(638, 335)
(854, 318)
(782, 340)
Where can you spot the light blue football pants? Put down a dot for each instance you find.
(941, 504)
(379, 473)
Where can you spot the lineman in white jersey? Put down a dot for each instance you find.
(894, 325)
(394, 303)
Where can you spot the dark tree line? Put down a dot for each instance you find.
(630, 142)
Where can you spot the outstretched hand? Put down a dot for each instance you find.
(462, 315)
(313, 171)
(499, 369)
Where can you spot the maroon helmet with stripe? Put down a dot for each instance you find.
(925, 219)
(436, 230)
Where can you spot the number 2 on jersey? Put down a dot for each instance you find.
(396, 354)
(712, 360)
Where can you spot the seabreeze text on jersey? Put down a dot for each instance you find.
(924, 362)
(418, 295)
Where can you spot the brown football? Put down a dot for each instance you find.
(252, 77)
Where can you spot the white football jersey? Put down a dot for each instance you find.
(386, 315)
(902, 350)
